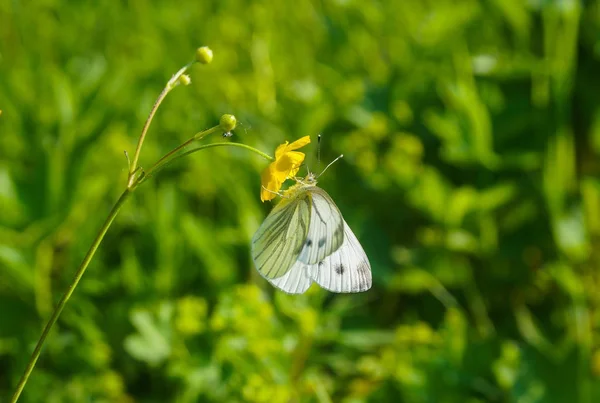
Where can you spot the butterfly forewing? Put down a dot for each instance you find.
(280, 239)
(346, 270)
(326, 229)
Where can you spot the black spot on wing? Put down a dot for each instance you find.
(322, 242)
(319, 268)
(339, 269)
(307, 244)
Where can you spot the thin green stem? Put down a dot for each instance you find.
(67, 295)
(249, 148)
(170, 85)
(157, 167)
(138, 148)
(197, 136)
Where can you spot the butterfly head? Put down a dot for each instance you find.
(311, 178)
(308, 180)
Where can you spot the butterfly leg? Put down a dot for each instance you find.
(277, 193)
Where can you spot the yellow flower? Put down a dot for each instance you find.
(286, 165)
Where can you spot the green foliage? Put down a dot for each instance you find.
(471, 136)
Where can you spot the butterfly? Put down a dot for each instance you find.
(305, 239)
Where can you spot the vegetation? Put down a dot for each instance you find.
(471, 135)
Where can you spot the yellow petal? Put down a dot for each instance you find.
(301, 142)
(266, 175)
(266, 195)
(296, 159)
(281, 150)
(271, 182)
(291, 160)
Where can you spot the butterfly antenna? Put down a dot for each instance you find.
(330, 164)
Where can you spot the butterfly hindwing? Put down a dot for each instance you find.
(326, 229)
(295, 281)
(346, 270)
(279, 240)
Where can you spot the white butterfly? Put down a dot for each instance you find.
(305, 239)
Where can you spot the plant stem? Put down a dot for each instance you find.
(138, 148)
(67, 295)
(264, 155)
(196, 137)
(170, 85)
(157, 167)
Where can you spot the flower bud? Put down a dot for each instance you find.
(227, 123)
(184, 79)
(204, 55)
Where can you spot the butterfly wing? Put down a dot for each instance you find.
(280, 239)
(326, 228)
(295, 281)
(305, 239)
(345, 270)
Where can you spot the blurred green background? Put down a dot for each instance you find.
(471, 135)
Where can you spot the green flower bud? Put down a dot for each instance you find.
(227, 123)
(204, 55)
(184, 79)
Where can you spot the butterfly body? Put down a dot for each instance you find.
(305, 239)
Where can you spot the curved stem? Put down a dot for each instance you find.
(249, 148)
(197, 136)
(67, 295)
(157, 167)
